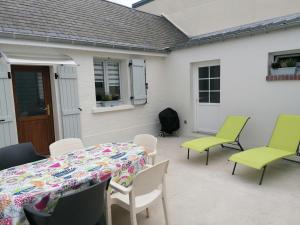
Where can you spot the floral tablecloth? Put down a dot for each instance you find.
(42, 183)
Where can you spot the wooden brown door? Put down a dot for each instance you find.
(32, 92)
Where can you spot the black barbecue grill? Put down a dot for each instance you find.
(169, 121)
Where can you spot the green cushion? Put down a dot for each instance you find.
(286, 135)
(232, 127)
(201, 144)
(228, 133)
(284, 142)
(257, 158)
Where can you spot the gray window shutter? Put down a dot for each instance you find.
(138, 82)
(8, 130)
(69, 101)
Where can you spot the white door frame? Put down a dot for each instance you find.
(195, 95)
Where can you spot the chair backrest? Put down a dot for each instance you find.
(286, 134)
(232, 127)
(146, 140)
(64, 146)
(19, 154)
(84, 207)
(150, 179)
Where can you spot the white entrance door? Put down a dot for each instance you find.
(207, 96)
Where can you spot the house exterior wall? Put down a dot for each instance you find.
(119, 125)
(196, 17)
(112, 126)
(244, 89)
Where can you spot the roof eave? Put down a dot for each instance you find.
(96, 43)
(243, 31)
(141, 3)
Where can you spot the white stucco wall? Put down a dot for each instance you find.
(119, 125)
(197, 17)
(244, 89)
(112, 126)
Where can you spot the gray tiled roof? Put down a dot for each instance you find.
(264, 26)
(93, 22)
(105, 24)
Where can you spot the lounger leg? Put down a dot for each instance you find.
(262, 175)
(207, 155)
(147, 213)
(241, 147)
(188, 155)
(234, 168)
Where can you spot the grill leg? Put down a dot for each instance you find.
(188, 155)
(262, 175)
(234, 168)
(207, 155)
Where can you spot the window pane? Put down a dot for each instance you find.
(203, 97)
(99, 71)
(113, 80)
(215, 97)
(30, 93)
(99, 80)
(203, 72)
(203, 85)
(215, 84)
(114, 92)
(100, 91)
(215, 71)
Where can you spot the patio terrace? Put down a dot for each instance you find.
(210, 195)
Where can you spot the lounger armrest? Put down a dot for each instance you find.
(120, 188)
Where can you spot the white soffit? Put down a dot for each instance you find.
(35, 59)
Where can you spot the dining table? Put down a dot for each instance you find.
(41, 183)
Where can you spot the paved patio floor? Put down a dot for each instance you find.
(210, 195)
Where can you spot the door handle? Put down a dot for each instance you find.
(2, 120)
(47, 108)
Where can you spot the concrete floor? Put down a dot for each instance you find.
(210, 195)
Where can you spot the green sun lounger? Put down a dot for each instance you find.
(284, 142)
(228, 134)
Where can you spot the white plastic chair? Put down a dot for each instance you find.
(64, 146)
(149, 142)
(147, 187)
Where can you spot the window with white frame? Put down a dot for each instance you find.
(107, 80)
(284, 63)
(209, 84)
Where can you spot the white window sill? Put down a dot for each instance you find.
(112, 109)
(209, 104)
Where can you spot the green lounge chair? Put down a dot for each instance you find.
(228, 134)
(284, 142)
